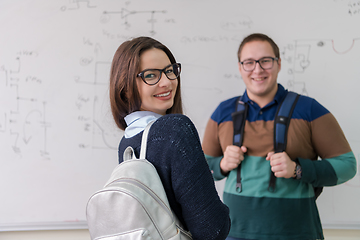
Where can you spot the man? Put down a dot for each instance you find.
(289, 211)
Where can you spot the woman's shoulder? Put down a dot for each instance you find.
(175, 118)
(175, 123)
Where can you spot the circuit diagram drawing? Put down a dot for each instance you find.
(97, 119)
(106, 135)
(23, 121)
(77, 4)
(301, 55)
(125, 14)
(298, 56)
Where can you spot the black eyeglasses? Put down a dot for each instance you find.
(265, 63)
(152, 76)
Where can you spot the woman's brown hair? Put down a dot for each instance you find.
(124, 94)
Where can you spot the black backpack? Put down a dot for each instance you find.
(281, 125)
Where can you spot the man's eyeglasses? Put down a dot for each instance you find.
(265, 63)
(152, 76)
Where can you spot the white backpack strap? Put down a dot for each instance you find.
(144, 140)
(129, 154)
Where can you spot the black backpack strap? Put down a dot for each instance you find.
(239, 119)
(281, 125)
(318, 191)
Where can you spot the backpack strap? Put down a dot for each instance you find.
(129, 152)
(317, 191)
(144, 140)
(239, 119)
(281, 125)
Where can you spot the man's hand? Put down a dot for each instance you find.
(281, 164)
(233, 156)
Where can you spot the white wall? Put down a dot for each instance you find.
(330, 234)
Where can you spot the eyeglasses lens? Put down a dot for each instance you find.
(152, 76)
(265, 63)
(171, 72)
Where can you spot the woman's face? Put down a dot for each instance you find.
(159, 97)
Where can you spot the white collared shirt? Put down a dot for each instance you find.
(137, 121)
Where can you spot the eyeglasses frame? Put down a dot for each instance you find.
(258, 61)
(141, 74)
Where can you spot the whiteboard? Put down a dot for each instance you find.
(58, 139)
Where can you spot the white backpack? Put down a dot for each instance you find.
(133, 204)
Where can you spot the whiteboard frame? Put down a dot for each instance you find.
(43, 226)
(82, 225)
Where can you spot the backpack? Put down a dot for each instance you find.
(281, 125)
(133, 203)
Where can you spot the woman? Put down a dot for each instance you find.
(145, 86)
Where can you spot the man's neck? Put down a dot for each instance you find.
(263, 100)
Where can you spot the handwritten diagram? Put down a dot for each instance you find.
(124, 15)
(105, 134)
(77, 4)
(23, 121)
(299, 57)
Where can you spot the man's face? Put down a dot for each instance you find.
(261, 84)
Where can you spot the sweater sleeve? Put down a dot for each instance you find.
(337, 162)
(219, 126)
(192, 183)
(214, 165)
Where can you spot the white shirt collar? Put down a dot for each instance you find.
(137, 121)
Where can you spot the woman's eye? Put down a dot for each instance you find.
(169, 71)
(150, 76)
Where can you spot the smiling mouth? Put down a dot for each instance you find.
(163, 94)
(259, 79)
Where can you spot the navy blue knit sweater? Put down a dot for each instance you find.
(174, 149)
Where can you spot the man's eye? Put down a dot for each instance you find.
(249, 63)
